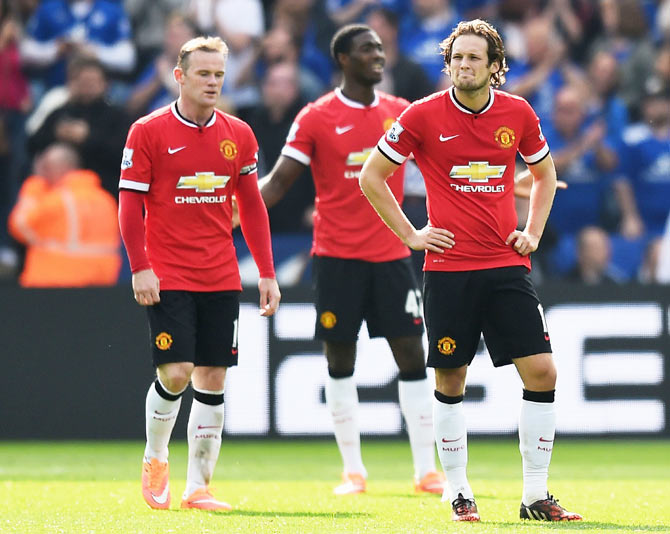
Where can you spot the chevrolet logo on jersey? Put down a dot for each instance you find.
(478, 171)
(358, 158)
(203, 182)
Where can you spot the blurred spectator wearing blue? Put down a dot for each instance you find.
(240, 23)
(545, 68)
(645, 164)
(148, 19)
(156, 86)
(280, 45)
(344, 12)
(402, 76)
(14, 103)
(594, 254)
(583, 159)
(312, 28)
(626, 34)
(60, 29)
(578, 22)
(271, 122)
(88, 122)
(420, 33)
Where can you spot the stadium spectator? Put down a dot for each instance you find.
(404, 78)
(420, 32)
(644, 184)
(281, 45)
(583, 159)
(650, 268)
(361, 269)
(183, 260)
(271, 122)
(594, 257)
(242, 32)
(663, 266)
(344, 12)
(15, 102)
(578, 22)
(68, 224)
(149, 22)
(476, 270)
(156, 86)
(545, 68)
(87, 121)
(60, 29)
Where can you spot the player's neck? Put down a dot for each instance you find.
(363, 94)
(474, 100)
(194, 113)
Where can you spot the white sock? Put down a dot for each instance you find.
(417, 409)
(161, 415)
(342, 401)
(452, 447)
(537, 426)
(205, 425)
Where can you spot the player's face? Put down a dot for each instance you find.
(365, 61)
(201, 82)
(469, 68)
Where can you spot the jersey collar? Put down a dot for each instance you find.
(187, 122)
(466, 109)
(352, 103)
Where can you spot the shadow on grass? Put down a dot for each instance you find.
(590, 526)
(269, 513)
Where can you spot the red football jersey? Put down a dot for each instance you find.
(335, 135)
(467, 160)
(189, 174)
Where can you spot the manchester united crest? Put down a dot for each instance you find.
(228, 149)
(163, 341)
(446, 346)
(328, 319)
(505, 137)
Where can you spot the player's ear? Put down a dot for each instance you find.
(495, 67)
(178, 75)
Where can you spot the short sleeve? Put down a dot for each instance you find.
(249, 160)
(136, 160)
(400, 141)
(533, 146)
(300, 139)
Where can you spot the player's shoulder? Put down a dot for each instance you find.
(155, 118)
(508, 99)
(432, 100)
(231, 121)
(392, 100)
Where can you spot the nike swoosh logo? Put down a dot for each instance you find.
(450, 440)
(174, 150)
(443, 139)
(339, 130)
(200, 427)
(546, 440)
(162, 498)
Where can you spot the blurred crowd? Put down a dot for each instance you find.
(74, 74)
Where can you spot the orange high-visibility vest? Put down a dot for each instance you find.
(70, 229)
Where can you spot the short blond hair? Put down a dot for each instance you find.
(206, 44)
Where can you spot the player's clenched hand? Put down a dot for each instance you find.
(270, 296)
(523, 242)
(146, 287)
(431, 238)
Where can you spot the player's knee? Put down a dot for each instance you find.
(175, 376)
(450, 382)
(408, 354)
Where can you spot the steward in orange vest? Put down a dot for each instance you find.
(68, 223)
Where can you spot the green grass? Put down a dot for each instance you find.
(619, 486)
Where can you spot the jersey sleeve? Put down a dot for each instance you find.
(136, 160)
(533, 146)
(300, 139)
(401, 138)
(249, 156)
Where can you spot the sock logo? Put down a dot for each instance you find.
(450, 440)
(546, 440)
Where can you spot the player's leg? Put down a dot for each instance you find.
(172, 331)
(515, 331)
(216, 350)
(340, 295)
(395, 313)
(452, 321)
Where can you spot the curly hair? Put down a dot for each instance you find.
(495, 47)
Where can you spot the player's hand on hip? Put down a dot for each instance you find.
(431, 238)
(146, 287)
(523, 242)
(270, 296)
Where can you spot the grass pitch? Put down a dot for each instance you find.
(619, 486)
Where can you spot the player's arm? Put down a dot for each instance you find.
(523, 182)
(541, 199)
(256, 230)
(283, 175)
(146, 285)
(375, 172)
